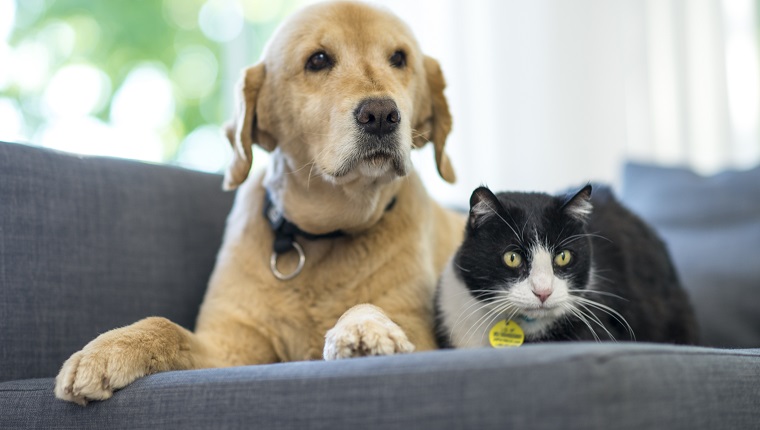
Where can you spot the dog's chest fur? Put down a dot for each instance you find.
(322, 293)
(394, 266)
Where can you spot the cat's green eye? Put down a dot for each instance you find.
(512, 259)
(563, 258)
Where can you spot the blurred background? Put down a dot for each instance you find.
(545, 94)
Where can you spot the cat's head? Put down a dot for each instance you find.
(527, 252)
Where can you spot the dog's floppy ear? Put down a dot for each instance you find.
(440, 125)
(241, 131)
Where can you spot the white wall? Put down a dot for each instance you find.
(537, 91)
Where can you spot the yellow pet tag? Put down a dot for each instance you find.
(506, 333)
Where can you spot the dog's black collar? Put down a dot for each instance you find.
(285, 233)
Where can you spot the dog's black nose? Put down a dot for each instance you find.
(378, 116)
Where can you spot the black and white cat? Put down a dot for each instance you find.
(577, 268)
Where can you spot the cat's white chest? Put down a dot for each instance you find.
(466, 319)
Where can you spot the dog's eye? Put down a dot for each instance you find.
(319, 61)
(398, 59)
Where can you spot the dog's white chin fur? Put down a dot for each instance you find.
(374, 170)
(378, 172)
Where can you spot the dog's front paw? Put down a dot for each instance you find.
(93, 374)
(102, 366)
(363, 335)
(80, 382)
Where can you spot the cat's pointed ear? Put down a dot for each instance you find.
(579, 206)
(483, 205)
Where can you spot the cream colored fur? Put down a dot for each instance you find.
(367, 293)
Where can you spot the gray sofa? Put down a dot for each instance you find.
(89, 244)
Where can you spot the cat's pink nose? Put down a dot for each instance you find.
(543, 295)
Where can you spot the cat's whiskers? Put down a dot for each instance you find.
(489, 301)
(595, 319)
(460, 320)
(462, 268)
(482, 278)
(560, 233)
(603, 293)
(553, 249)
(476, 302)
(489, 316)
(459, 293)
(566, 317)
(496, 318)
(570, 239)
(573, 310)
(519, 239)
(482, 320)
(522, 230)
(496, 308)
(597, 276)
(608, 310)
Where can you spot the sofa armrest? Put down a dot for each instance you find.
(88, 244)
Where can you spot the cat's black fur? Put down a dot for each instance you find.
(629, 259)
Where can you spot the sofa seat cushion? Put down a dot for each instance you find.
(540, 386)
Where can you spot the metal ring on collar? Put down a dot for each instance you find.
(301, 260)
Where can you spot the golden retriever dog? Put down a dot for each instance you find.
(344, 260)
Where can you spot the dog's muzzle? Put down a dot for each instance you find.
(378, 140)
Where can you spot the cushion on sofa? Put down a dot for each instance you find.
(712, 228)
(88, 244)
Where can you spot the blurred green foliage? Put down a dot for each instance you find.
(117, 35)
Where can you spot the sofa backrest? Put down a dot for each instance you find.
(711, 225)
(88, 244)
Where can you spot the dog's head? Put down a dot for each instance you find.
(345, 92)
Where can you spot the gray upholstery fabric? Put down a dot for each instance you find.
(712, 228)
(89, 244)
(550, 386)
